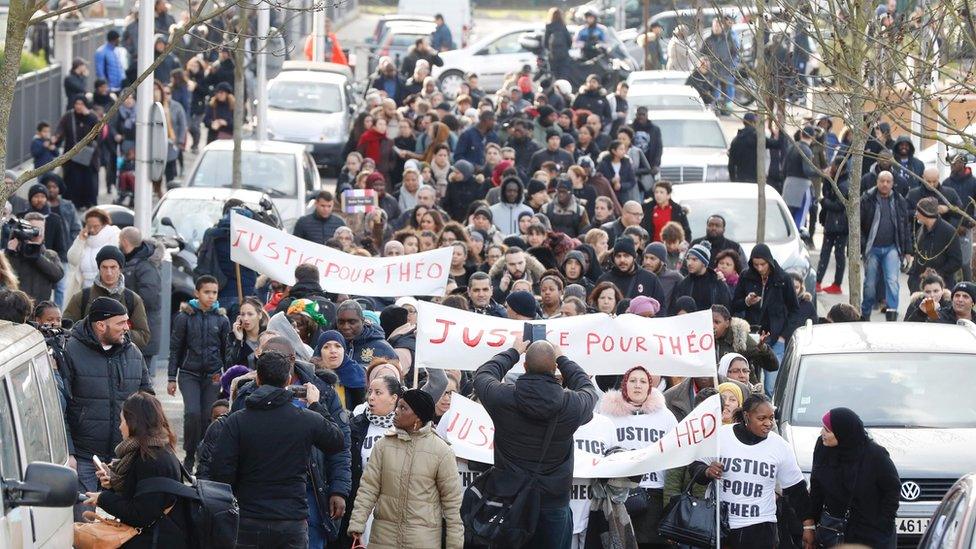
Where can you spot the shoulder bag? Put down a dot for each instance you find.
(85, 154)
(690, 520)
(501, 508)
(105, 533)
(831, 529)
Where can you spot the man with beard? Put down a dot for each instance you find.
(629, 277)
(479, 292)
(936, 245)
(566, 213)
(715, 236)
(702, 283)
(516, 268)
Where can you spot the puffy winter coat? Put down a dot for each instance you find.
(77, 308)
(142, 274)
(778, 298)
(370, 343)
(636, 282)
(410, 486)
(198, 344)
(834, 213)
(315, 228)
(96, 383)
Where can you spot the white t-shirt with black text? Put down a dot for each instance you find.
(642, 430)
(751, 473)
(594, 437)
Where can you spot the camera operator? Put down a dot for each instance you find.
(38, 268)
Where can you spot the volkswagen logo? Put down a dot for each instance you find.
(910, 490)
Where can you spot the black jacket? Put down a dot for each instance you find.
(317, 229)
(655, 146)
(146, 510)
(951, 199)
(96, 383)
(637, 282)
(561, 157)
(903, 220)
(524, 149)
(873, 499)
(38, 272)
(142, 276)
(460, 195)
(778, 298)
(742, 154)
(522, 413)
(198, 344)
(596, 102)
(870, 179)
(493, 309)
(706, 289)
(313, 291)
(938, 249)
(263, 453)
(721, 243)
(833, 214)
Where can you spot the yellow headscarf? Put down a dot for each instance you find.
(729, 386)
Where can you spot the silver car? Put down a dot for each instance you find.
(909, 383)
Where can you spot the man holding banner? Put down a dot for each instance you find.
(535, 420)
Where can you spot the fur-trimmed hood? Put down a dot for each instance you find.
(185, 307)
(919, 296)
(739, 332)
(613, 404)
(532, 266)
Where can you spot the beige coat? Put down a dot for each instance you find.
(411, 485)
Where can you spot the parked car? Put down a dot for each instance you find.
(37, 489)
(953, 525)
(285, 171)
(397, 39)
(385, 20)
(458, 16)
(633, 11)
(736, 202)
(181, 217)
(663, 97)
(658, 77)
(904, 380)
(313, 104)
(504, 52)
(695, 147)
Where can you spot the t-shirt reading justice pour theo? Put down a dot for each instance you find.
(594, 437)
(751, 472)
(638, 431)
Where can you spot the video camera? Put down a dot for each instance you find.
(22, 230)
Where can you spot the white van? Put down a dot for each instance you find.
(38, 490)
(458, 16)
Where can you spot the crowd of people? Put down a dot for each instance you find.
(309, 403)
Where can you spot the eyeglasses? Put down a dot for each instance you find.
(739, 371)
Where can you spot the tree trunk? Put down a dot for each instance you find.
(17, 22)
(854, 215)
(239, 94)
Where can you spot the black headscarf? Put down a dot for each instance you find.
(850, 433)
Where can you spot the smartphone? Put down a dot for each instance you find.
(98, 463)
(533, 332)
(298, 390)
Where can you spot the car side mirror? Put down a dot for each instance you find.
(167, 221)
(44, 485)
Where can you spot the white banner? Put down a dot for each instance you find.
(471, 433)
(276, 253)
(683, 345)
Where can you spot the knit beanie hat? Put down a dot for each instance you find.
(421, 403)
(625, 244)
(685, 303)
(110, 252)
(536, 186)
(36, 188)
(928, 207)
(641, 305)
(658, 250)
(702, 251)
(967, 287)
(104, 308)
(521, 302)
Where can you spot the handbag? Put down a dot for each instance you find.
(831, 529)
(501, 508)
(85, 154)
(691, 520)
(637, 502)
(103, 533)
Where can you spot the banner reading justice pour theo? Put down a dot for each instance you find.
(275, 253)
(602, 345)
(471, 433)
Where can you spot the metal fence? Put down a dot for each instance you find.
(37, 96)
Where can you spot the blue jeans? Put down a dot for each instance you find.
(887, 258)
(769, 378)
(60, 288)
(87, 482)
(554, 529)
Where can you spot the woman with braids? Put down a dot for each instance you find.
(753, 461)
(147, 450)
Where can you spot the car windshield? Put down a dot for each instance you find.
(661, 102)
(273, 173)
(897, 390)
(691, 133)
(192, 218)
(741, 216)
(305, 97)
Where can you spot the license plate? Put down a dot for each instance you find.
(911, 525)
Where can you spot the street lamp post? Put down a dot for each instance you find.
(144, 100)
(261, 93)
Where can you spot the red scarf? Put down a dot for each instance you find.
(370, 144)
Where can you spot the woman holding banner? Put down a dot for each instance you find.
(641, 418)
(752, 461)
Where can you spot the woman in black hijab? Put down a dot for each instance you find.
(853, 473)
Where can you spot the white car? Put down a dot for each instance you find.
(695, 147)
(657, 77)
(929, 155)
(285, 171)
(662, 97)
(312, 105)
(737, 202)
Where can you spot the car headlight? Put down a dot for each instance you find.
(717, 173)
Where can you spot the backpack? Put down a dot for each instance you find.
(211, 508)
(128, 295)
(501, 508)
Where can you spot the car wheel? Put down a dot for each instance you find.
(450, 83)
